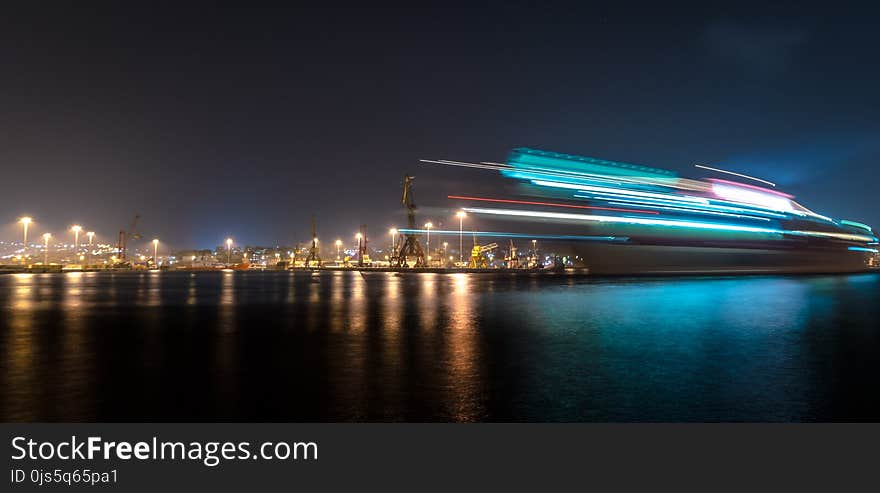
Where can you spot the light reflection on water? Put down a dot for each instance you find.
(338, 346)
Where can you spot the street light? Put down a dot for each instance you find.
(156, 252)
(76, 229)
(393, 232)
(46, 237)
(338, 247)
(25, 222)
(460, 215)
(228, 251)
(428, 227)
(360, 238)
(90, 234)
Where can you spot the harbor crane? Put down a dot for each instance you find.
(410, 247)
(125, 236)
(314, 257)
(363, 255)
(512, 259)
(479, 254)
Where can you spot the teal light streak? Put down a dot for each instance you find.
(499, 234)
(862, 249)
(525, 158)
(626, 220)
(696, 207)
(856, 225)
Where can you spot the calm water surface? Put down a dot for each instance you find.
(339, 346)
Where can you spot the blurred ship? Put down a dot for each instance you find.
(622, 218)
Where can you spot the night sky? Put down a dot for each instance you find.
(245, 122)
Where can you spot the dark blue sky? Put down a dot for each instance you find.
(244, 122)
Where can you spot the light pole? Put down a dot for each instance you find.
(338, 247)
(460, 215)
(156, 252)
(76, 229)
(90, 234)
(228, 251)
(393, 232)
(428, 227)
(25, 222)
(46, 237)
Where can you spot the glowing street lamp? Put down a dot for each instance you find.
(91, 235)
(76, 229)
(228, 251)
(46, 237)
(460, 215)
(338, 247)
(393, 232)
(428, 227)
(156, 252)
(25, 222)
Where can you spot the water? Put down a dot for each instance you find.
(339, 346)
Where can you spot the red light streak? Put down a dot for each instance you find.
(551, 204)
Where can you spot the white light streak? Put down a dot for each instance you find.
(735, 174)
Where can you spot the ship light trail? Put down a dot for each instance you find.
(589, 188)
(636, 193)
(500, 234)
(667, 222)
(461, 164)
(550, 204)
(735, 174)
(578, 179)
(695, 211)
(861, 249)
(841, 236)
(642, 202)
(752, 187)
(738, 194)
(625, 220)
(855, 224)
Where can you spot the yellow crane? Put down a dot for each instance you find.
(479, 255)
